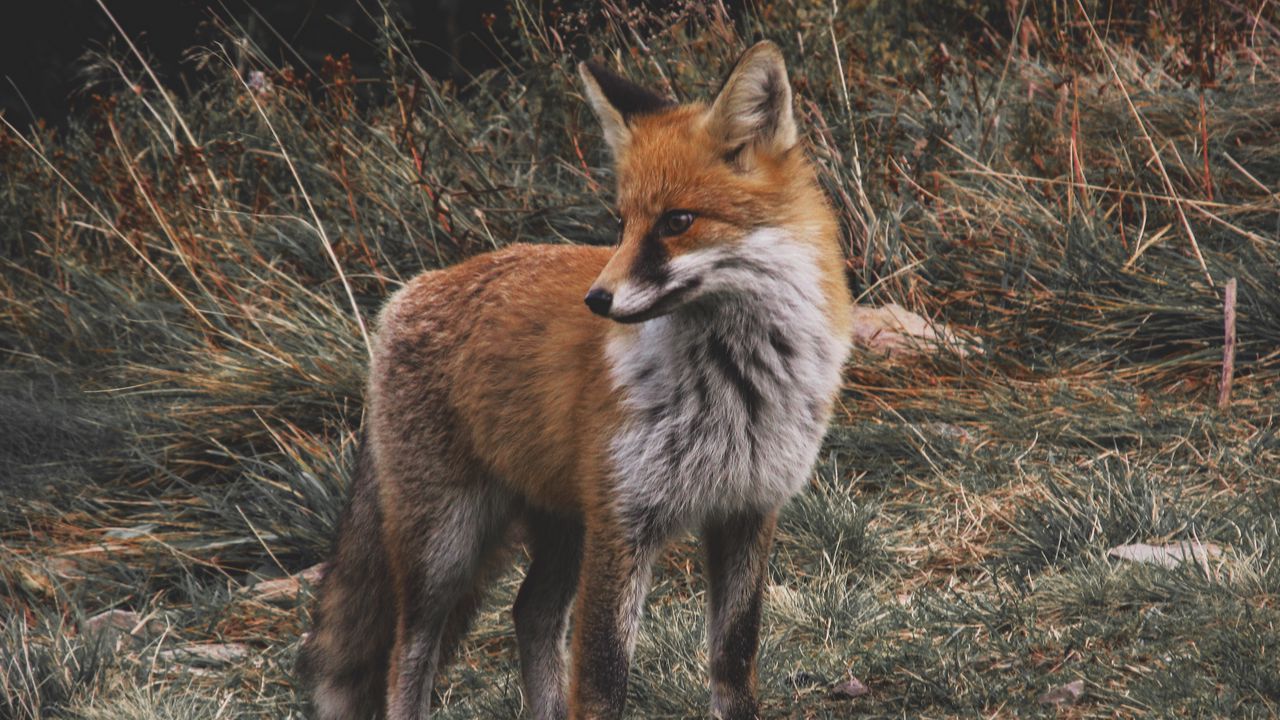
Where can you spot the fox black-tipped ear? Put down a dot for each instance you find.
(754, 104)
(616, 100)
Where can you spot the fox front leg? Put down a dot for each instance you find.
(614, 582)
(737, 561)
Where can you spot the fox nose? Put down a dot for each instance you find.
(600, 300)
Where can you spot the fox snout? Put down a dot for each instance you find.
(599, 301)
(638, 302)
(642, 281)
(634, 285)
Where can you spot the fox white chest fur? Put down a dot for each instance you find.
(727, 400)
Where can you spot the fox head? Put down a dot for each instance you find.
(695, 181)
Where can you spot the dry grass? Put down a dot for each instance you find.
(183, 280)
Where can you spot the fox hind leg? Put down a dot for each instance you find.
(444, 551)
(542, 612)
(459, 621)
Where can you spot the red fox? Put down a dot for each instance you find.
(691, 391)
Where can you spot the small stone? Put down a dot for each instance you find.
(850, 689)
(286, 589)
(207, 653)
(279, 590)
(122, 620)
(313, 574)
(1067, 694)
(897, 332)
(1170, 556)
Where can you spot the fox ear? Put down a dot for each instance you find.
(754, 104)
(616, 100)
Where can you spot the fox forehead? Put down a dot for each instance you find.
(672, 162)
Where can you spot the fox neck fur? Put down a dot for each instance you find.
(726, 400)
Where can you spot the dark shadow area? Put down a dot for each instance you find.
(42, 45)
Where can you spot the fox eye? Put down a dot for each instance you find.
(674, 222)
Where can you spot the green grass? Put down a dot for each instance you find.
(182, 369)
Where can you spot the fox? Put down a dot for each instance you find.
(602, 400)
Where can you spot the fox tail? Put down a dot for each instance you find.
(345, 658)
